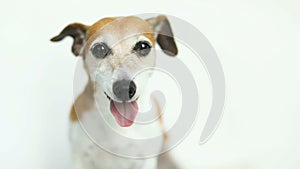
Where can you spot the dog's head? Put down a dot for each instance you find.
(115, 50)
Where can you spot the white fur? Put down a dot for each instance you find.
(96, 123)
(88, 155)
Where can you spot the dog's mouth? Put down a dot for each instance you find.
(124, 112)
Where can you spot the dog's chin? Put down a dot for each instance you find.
(123, 112)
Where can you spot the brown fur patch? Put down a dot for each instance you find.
(145, 28)
(97, 26)
(73, 114)
(150, 36)
(83, 103)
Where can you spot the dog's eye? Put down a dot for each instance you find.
(100, 50)
(143, 48)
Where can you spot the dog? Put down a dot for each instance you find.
(114, 50)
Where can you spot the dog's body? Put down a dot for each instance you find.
(114, 51)
(88, 155)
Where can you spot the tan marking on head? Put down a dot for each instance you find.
(139, 26)
(150, 36)
(98, 25)
(119, 27)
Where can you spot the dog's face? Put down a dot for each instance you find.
(115, 53)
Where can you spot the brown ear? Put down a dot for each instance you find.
(164, 38)
(78, 32)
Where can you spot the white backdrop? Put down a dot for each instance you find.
(257, 42)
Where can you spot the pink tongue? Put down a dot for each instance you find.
(124, 113)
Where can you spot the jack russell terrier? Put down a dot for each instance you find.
(114, 50)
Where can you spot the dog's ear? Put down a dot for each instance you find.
(78, 32)
(164, 35)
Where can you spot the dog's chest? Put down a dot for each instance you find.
(88, 154)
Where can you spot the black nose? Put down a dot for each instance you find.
(124, 89)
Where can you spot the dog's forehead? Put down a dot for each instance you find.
(121, 27)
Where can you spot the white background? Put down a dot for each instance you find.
(257, 42)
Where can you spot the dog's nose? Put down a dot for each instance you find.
(124, 89)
